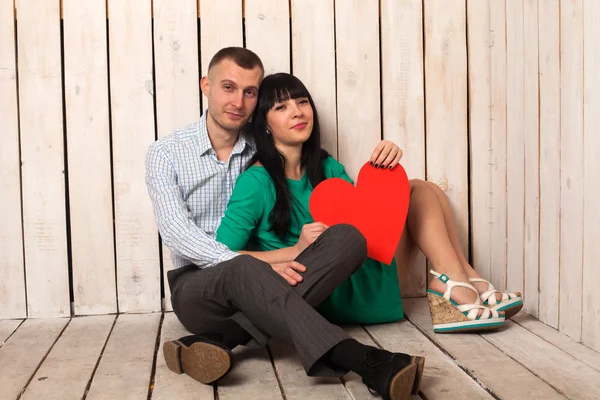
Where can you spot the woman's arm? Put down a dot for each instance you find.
(242, 216)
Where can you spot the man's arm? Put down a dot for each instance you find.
(177, 229)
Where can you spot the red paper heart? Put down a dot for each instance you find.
(377, 207)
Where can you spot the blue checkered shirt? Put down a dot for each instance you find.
(189, 188)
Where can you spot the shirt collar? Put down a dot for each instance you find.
(243, 142)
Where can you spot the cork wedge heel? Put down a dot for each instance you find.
(447, 316)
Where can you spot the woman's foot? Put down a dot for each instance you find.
(461, 295)
(509, 303)
(447, 315)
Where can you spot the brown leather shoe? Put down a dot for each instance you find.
(204, 360)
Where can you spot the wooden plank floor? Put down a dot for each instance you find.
(120, 357)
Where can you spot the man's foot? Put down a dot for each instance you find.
(393, 376)
(203, 359)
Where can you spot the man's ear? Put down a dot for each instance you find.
(204, 85)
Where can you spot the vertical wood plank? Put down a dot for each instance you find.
(532, 165)
(67, 369)
(127, 360)
(42, 157)
(88, 150)
(498, 144)
(571, 180)
(132, 106)
(28, 346)
(221, 26)
(591, 157)
(357, 55)
(479, 59)
(177, 80)
(446, 105)
(549, 56)
(403, 102)
(313, 61)
(12, 278)
(268, 33)
(515, 149)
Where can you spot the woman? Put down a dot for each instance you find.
(269, 207)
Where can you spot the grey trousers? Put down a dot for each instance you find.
(248, 291)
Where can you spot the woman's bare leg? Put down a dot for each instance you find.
(426, 225)
(452, 232)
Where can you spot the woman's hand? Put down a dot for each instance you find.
(310, 233)
(386, 155)
(288, 271)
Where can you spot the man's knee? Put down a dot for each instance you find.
(349, 241)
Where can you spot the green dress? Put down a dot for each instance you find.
(369, 296)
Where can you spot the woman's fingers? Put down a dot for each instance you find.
(377, 152)
(383, 154)
(392, 159)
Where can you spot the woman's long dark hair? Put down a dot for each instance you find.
(277, 88)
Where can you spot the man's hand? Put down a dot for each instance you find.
(386, 155)
(310, 233)
(288, 271)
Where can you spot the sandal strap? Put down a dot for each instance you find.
(472, 311)
(450, 284)
(490, 294)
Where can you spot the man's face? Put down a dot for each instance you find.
(232, 93)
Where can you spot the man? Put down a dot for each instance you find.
(228, 299)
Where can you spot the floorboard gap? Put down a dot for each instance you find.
(276, 372)
(456, 361)
(156, 348)
(43, 359)
(89, 384)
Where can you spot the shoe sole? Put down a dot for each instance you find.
(203, 362)
(510, 312)
(420, 363)
(403, 382)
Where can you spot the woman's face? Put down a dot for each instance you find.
(291, 121)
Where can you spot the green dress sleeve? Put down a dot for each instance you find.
(243, 212)
(334, 169)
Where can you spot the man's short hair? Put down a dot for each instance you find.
(244, 58)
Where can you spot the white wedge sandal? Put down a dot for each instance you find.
(448, 316)
(511, 303)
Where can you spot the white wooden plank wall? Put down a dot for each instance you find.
(88, 148)
(313, 61)
(177, 80)
(590, 329)
(12, 282)
(571, 174)
(479, 59)
(42, 158)
(549, 106)
(403, 102)
(132, 111)
(267, 28)
(515, 146)
(446, 105)
(506, 127)
(357, 60)
(531, 148)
